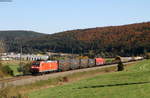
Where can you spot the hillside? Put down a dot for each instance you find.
(18, 34)
(14, 38)
(126, 40)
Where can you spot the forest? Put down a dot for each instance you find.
(125, 40)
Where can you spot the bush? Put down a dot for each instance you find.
(117, 59)
(64, 79)
(25, 68)
(120, 66)
(7, 70)
(147, 56)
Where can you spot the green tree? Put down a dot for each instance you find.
(120, 66)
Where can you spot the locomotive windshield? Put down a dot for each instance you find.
(36, 63)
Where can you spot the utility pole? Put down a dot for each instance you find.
(72, 53)
(21, 56)
(20, 53)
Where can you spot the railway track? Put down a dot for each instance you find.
(22, 80)
(15, 78)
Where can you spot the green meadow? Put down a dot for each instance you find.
(13, 65)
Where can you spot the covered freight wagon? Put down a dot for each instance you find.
(99, 61)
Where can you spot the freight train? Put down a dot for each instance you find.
(40, 67)
(64, 65)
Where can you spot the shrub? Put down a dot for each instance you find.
(63, 79)
(147, 56)
(6, 70)
(120, 66)
(25, 68)
(117, 59)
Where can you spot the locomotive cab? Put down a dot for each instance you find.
(35, 67)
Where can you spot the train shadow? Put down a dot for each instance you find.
(111, 85)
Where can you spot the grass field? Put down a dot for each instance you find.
(132, 83)
(109, 60)
(14, 65)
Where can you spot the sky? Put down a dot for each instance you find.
(52, 16)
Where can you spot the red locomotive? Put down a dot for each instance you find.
(44, 66)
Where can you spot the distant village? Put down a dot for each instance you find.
(30, 57)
